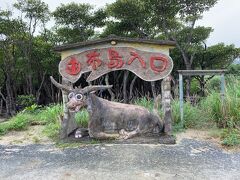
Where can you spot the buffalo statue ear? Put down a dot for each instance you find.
(60, 86)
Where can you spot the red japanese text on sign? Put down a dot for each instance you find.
(94, 60)
(162, 67)
(136, 56)
(73, 67)
(116, 60)
(149, 66)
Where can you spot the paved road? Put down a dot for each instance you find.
(189, 159)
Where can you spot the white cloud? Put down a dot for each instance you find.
(224, 19)
(97, 3)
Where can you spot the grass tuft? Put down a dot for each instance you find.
(82, 118)
(145, 102)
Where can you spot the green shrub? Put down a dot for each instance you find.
(50, 114)
(193, 116)
(214, 84)
(212, 106)
(3, 129)
(34, 109)
(25, 100)
(51, 130)
(82, 118)
(231, 137)
(20, 122)
(234, 69)
(194, 86)
(176, 112)
(145, 102)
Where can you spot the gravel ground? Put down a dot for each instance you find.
(189, 159)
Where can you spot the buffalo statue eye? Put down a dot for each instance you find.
(70, 95)
(79, 96)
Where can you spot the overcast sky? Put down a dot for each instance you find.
(223, 18)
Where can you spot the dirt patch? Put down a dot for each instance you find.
(32, 135)
(205, 135)
(197, 134)
(2, 119)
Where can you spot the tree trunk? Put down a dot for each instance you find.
(131, 87)
(1, 106)
(30, 85)
(153, 89)
(188, 83)
(109, 90)
(188, 63)
(39, 89)
(10, 102)
(202, 86)
(125, 80)
(3, 99)
(8, 72)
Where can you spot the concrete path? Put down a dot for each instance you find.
(190, 159)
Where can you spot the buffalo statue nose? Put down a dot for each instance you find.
(71, 105)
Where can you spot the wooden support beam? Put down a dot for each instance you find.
(202, 72)
(181, 97)
(222, 88)
(166, 100)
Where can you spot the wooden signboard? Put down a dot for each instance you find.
(149, 66)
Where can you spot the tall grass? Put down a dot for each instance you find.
(51, 117)
(50, 114)
(194, 116)
(227, 111)
(145, 102)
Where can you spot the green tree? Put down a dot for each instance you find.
(9, 33)
(219, 56)
(77, 22)
(183, 29)
(47, 62)
(174, 19)
(128, 18)
(36, 13)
